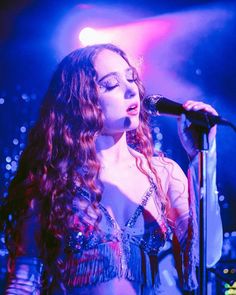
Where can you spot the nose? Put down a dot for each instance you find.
(130, 90)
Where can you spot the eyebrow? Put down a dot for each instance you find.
(107, 75)
(113, 74)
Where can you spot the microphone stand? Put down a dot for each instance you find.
(203, 127)
(203, 147)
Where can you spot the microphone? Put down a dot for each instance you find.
(157, 105)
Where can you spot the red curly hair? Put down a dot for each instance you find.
(61, 154)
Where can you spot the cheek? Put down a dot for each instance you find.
(114, 117)
(112, 108)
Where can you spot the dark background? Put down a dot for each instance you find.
(28, 58)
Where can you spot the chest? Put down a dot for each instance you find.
(123, 192)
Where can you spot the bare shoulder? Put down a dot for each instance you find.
(162, 161)
(165, 164)
(165, 167)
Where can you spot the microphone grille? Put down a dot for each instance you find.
(149, 103)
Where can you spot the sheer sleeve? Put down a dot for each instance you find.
(214, 223)
(25, 270)
(182, 214)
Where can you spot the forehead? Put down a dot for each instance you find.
(109, 61)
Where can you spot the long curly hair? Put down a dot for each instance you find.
(61, 157)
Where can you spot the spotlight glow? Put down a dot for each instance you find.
(90, 36)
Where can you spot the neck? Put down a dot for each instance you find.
(112, 149)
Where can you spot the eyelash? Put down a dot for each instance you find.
(109, 88)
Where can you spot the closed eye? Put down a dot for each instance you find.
(109, 83)
(113, 80)
(131, 75)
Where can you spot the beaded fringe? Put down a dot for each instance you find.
(104, 263)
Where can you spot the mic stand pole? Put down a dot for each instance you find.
(202, 209)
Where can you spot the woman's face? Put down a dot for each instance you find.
(117, 92)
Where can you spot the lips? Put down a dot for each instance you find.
(132, 109)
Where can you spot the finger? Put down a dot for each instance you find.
(190, 103)
(203, 107)
(197, 106)
(183, 122)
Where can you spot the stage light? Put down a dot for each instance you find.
(89, 36)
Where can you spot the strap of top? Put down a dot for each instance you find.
(132, 220)
(153, 188)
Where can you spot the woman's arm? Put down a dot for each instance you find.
(184, 206)
(189, 136)
(182, 215)
(25, 279)
(25, 270)
(182, 218)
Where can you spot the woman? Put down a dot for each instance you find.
(90, 207)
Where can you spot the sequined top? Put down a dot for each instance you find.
(98, 256)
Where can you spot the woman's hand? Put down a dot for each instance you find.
(188, 132)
